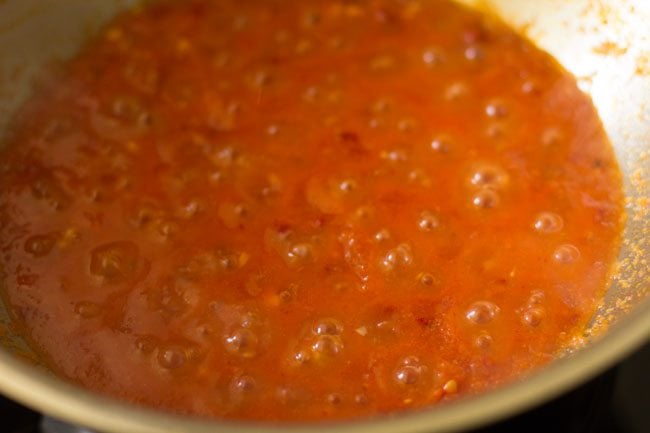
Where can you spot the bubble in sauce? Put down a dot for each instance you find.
(530, 87)
(485, 199)
(432, 57)
(407, 375)
(474, 53)
(496, 108)
(347, 185)
(548, 222)
(487, 175)
(311, 94)
(241, 388)
(115, 262)
(328, 326)
(394, 155)
(409, 371)
(301, 357)
(87, 310)
(533, 316)
(428, 221)
(167, 228)
(381, 105)
(441, 144)
(382, 235)
(146, 344)
(536, 297)
(131, 111)
(48, 189)
(496, 130)
(260, 79)
(327, 346)
(410, 360)
(456, 91)
(361, 399)
(551, 137)
(291, 396)
(233, 215)
(482, 312)
(419, 177)
(189, 209)
(398, 257)
(242, 342)
(426, 279)
(483, 341)
(406, 124)
(299, 253)
(334, 399)
(566, 254)
(39, 245)
(171, 357)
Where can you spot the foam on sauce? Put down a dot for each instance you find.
(330, 210)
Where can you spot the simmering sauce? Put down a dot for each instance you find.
(305, 210)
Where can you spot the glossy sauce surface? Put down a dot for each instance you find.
(329, 210)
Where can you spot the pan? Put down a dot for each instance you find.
(604, 43)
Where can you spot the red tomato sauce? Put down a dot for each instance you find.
(316, 210)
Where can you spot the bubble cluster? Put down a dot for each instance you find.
(267, 208)
(323, 343)
(487, 180)
(533, 313)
